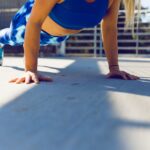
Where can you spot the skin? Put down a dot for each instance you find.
(40, 20)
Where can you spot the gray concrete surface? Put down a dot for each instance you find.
(80, 110)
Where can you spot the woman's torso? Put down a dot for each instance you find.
(53, 28)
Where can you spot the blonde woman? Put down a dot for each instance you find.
(43, 22)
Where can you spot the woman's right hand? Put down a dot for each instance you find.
(30, 77)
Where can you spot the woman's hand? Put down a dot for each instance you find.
(29, 77)
(121, 75)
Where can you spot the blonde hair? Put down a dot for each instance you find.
(130, 6)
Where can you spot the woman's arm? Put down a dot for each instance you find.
(110, 42)
(40, 11)
(110, 34)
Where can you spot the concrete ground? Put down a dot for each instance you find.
(80, 110)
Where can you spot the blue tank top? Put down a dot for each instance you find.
(78, 14)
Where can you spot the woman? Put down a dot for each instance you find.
(43, 22)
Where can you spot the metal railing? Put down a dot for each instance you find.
(7, 9)
(89, 40)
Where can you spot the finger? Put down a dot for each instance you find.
(129, 76)
(35, 79)
(136, 77)
(27, 79)
(13, 80)
(132, 77)
(124, 77)
(19, 80)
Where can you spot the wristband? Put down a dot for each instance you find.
(113, 65)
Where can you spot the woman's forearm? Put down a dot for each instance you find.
(110, 42)
(31, 46)
(40, 11)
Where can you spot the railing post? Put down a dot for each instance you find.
(137, 33)
(1, 55)
(62, 51)
(95, 41)
(101, 44)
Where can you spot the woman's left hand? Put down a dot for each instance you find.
(121, 75)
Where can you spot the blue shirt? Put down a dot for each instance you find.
(78, 14)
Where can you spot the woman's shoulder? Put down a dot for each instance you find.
(60, 1)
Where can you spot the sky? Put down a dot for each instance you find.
(146, 3)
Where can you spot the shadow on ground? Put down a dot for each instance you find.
(75, 112)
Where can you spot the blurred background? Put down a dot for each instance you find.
(88, 42)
